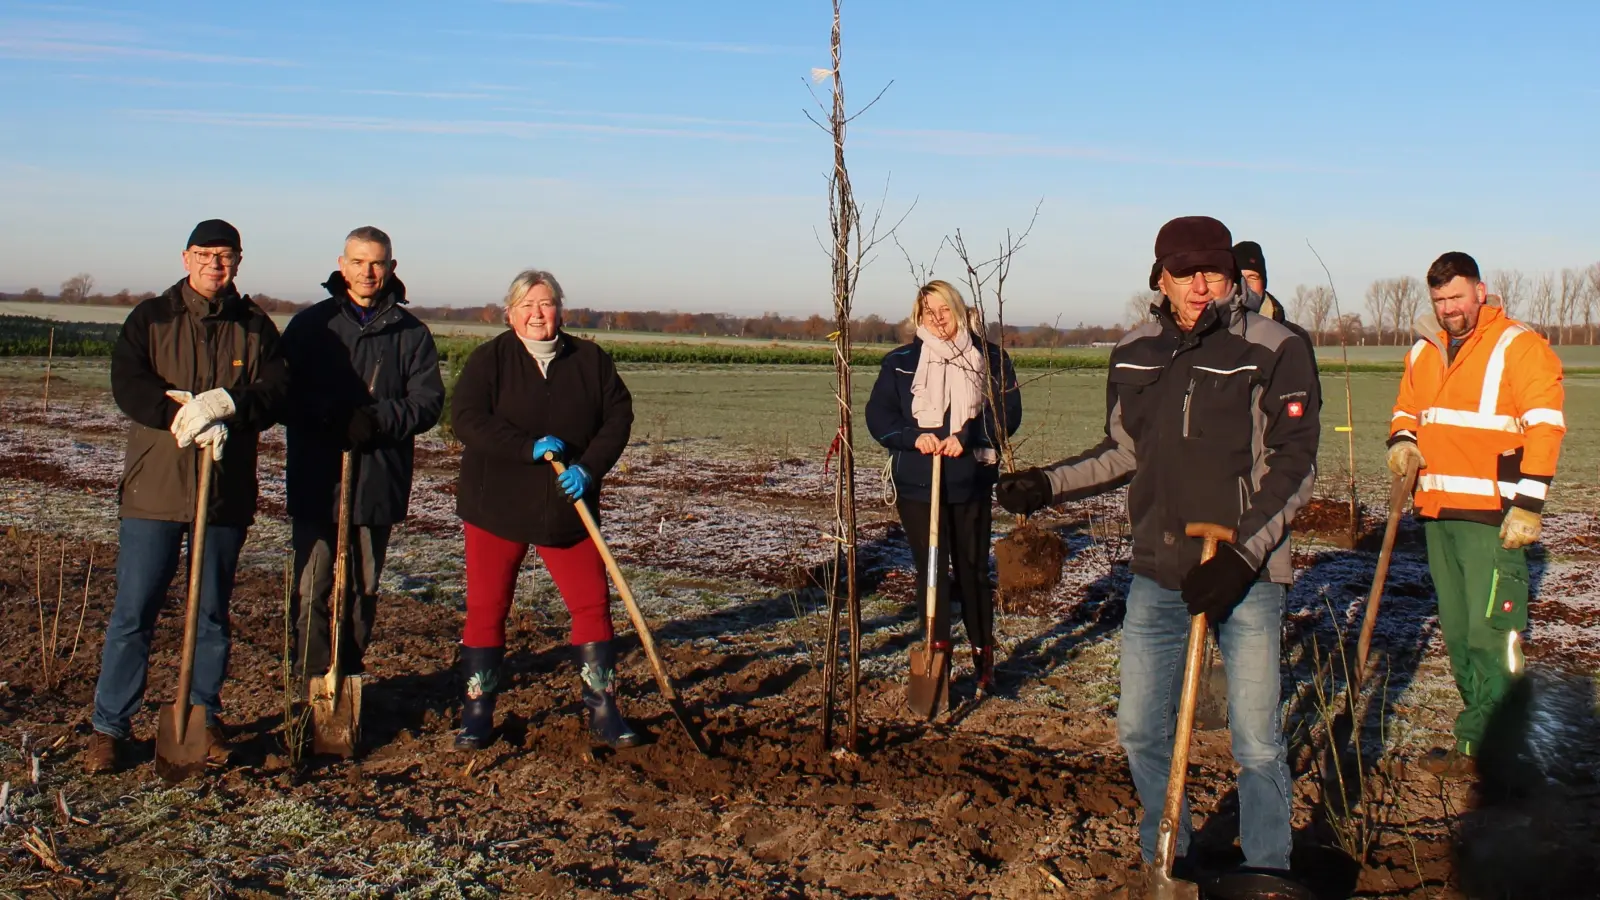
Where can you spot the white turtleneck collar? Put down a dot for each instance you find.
(543, 352)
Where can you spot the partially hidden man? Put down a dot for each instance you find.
(1479, 411)
(1210, 418)
(196, 370)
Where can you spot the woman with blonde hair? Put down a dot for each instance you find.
(532, 390)
(948, 393)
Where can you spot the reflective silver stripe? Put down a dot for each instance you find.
(1496, 370)
(1226, 371)
(1416, 350)
(1543, 416)
(1401, 415)
(1463, 419)
(1140, 368)
(1527, 487)
(1461, 484)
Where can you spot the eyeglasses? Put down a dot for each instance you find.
(205, 260)
(1212, 277)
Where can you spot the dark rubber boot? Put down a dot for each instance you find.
(983, 667)
(598, 673)
(480, 675)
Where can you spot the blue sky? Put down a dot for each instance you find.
(656, 154)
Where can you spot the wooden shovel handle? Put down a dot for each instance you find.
(339, 596)
(639, 626)
(935, 511)
(191, 615)
(1399, 493)
(1194, 661)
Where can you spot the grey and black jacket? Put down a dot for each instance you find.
(1219, 425)
(181, 341)
(336, 363)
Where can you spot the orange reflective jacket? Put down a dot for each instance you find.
(1489, 424)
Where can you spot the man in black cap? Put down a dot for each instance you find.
(196, 370)
(1252, 263)
(1210, 418)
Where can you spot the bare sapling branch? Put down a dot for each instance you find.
(1349, 402)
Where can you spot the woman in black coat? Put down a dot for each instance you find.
(937, 396)
(535, 389)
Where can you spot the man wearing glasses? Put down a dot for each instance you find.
(1211, 416)
(196, 370)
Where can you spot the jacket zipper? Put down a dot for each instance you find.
(1187, 395)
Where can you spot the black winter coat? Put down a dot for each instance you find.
(503, 404)
(389, 365)
(890, 420)
(1217, 424)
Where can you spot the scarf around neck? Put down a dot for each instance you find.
(948, 377)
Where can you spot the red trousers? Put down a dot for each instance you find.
(492, 566)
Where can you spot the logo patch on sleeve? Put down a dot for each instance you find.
(1295, 409)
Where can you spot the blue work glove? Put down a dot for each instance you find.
(1214, 588)
(575, 482)
(551, 444)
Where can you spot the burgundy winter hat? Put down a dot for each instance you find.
(1189, 242)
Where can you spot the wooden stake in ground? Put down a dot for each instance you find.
(49, 357)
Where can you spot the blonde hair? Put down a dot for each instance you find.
(946, 292)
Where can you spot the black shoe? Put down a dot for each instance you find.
(480, 676)
(598, 675)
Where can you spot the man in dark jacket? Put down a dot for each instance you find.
(365, 378)
(1252, 263)
(1210, 417)
(196, 370)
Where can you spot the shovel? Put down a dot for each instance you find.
(663, 682)
(336, 697)
(1156, 881)
(929, 692)
(1399, 493)
(181, 739)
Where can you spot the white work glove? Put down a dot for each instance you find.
(1401, 453)
(1520, 528)
(212, 437)
(198, 412)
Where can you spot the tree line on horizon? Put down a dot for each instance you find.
(1563, 305)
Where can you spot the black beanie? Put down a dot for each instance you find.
(1248, 255)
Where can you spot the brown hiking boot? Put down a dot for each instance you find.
(218, 750)
(104, 754)
(1451, 764)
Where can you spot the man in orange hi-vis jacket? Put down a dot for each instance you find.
(1479, 411)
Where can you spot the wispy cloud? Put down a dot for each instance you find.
(665, 118)
(422, 95)
(477, 127)
(575, 4)
(629, 41)
(100, 42)
(999, 144)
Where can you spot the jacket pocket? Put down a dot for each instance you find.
(1218, 403)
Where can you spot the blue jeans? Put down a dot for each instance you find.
(1155, 635)
(147, 559)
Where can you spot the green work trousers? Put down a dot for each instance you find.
(1483, 607)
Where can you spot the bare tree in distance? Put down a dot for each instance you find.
(76, 289)
(1572, 305)
(1137, 310)
(1378, 304)
(1312, 307)
(1592, 277)
(1511, 286)
(1405, 299)
(1542, 305)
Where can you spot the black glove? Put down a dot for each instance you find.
(1216, 587)
(362, 428)
(1025, 492)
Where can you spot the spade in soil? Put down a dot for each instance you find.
(181, 739)
(928, 693)
(336, 697)
(663, 682)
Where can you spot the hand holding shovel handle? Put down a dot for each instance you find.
(1399, 492)
(1161, 884)
(643, 630)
